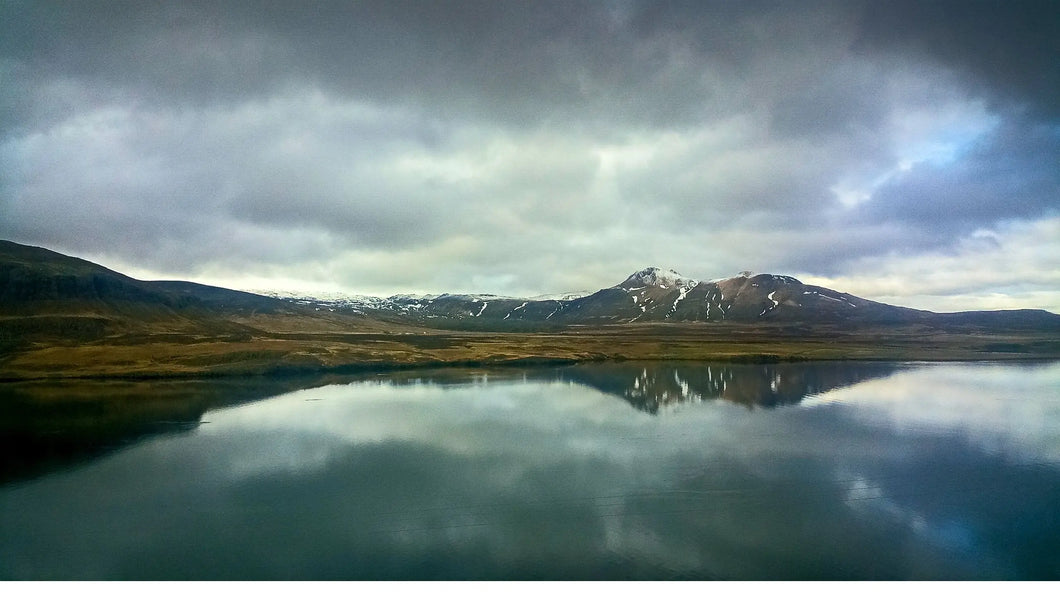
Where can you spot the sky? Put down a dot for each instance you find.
(907, 152)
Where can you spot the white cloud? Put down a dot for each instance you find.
(1016, 265)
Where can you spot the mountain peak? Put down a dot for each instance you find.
(658, 277)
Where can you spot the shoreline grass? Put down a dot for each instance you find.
(166, 356)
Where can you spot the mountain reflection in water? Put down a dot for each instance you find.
(48, 425)
(948, 471)
(650, 387)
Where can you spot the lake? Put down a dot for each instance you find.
(605, 471)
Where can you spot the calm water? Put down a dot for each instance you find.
(845, 471)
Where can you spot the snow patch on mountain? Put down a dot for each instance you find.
(842, 299)
(564, 296)
(772, 306)
(520, 307)
(680, 296)
(659, 278)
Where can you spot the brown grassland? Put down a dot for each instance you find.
(279, 349)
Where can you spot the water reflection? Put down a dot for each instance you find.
(49, 425)
(651, 386)
(545, 474)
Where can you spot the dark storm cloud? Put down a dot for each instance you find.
(511, 58)
(515, 142)
(656, 64)
(498, 58)
(1010, 48)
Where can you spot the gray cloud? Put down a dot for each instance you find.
(1009, 49)
(1011, 174)
(526, 147)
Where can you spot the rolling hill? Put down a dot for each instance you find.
(45, 295)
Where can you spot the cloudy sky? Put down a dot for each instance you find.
(903, 151)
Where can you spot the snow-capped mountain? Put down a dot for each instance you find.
(659, 295)
(655, 294)
(331, 300)
(660, 278)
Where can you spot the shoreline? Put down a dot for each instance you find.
(282, 355)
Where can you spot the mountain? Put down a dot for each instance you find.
(36, 278)
(47, 295)
(62, 317)
(466, 311)
(656, 295)
(44, 292)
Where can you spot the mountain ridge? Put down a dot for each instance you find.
(46, 296)
(655, 294)
(63, 317)
(34, 279)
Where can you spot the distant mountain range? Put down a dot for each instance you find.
(655, 295)
(41, 283)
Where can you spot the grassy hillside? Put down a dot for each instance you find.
(52, 300)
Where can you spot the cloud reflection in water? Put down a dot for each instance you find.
(545, 474)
